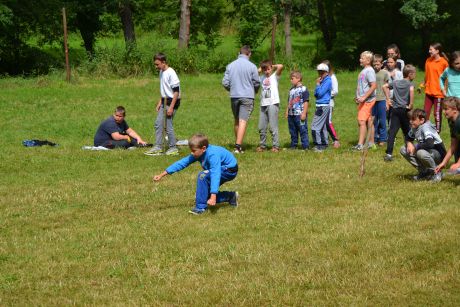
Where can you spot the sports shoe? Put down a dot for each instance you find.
(261, 149)
(196, 211)
(436, 177)
(155, 151)
(275, 149)
(358, 147)
(372, 147)
(172, 151)
(234, 200)
(423, 175)
(318, 149)
(388, 158)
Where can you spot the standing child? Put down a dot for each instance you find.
(434, 67)
(365, 97)
(219, 167)
(170, 93)
(296, 111)
(403, 100)
(451, 109)
(382, 97)
(429, 150)
(269, 104)
(334, 91)
(323, 97)
(451, 75)
(393, 52)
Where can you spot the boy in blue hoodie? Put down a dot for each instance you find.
(219, 167)
(323, 97)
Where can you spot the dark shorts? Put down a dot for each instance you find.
(242, 108)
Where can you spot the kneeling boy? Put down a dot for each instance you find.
(219, 167)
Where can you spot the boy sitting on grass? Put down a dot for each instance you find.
(429, 150)
(451, 110)
(219, 167)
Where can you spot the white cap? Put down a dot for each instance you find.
(322, 67)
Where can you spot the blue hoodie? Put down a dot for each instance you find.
(323, 92)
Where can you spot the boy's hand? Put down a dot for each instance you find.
(212, 200)
(303, 117)
(170, 112)
(439, 167)
(318, 81)
(158, 107)
(454, 166)
(360, 99)
(159, 176)
(410, 148)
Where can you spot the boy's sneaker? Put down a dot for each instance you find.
(318, 149)
(234, 200)
(173, 151)
(388, 158)
(372, 147)
(358, 147)
(261, 149)
(196, 211)
(436, 177)
(156, 150)
(423, 175)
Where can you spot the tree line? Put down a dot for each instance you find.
(346, 26)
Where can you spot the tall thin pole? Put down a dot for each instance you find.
(272, 50)
(67, 66)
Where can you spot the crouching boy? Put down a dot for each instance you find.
(429, 150)
(219, 166)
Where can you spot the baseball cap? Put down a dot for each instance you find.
(322, 67)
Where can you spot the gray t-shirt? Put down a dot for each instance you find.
(401, 91)
(365, 78)
(105, 130)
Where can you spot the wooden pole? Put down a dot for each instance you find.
(67, 66)
(272, 50)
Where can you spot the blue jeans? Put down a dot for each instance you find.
(297, 127)
(203, 186)
(379, 111)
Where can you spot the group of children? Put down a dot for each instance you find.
(384, 94)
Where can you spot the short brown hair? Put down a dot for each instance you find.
(408, 69)
(417, 113)
(265, 64)
(246, 50)
(296, 74)
(198, 140)
(160, 57)
(120, 109)
(378, 57)
(451, 102)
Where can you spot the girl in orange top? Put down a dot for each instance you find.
(434, 67)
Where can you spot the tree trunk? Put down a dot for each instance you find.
(287, 28)
(324, 25)
(184, 30)
(126, 15)
(330, 19)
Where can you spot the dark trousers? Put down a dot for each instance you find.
(120, 144)
(398, 120)
(296, 127)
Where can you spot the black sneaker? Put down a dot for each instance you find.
(196, 211)
(234, 200)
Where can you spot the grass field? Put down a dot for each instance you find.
(91, 228)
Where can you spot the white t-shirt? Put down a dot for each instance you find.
(334, 90)
(269, 94)
(168, 80)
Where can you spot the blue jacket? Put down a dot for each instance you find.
(215, 159)
(323, 91)
(241, 78)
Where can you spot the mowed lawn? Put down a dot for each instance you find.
(91, 228)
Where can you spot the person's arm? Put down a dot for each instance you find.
(410, 148)
(215, 171)
(134, 134)
(442, 82)
(279, 69)
(303, 116)
(117, 136)
(386, 91)
(175, 167)
(255, 79)
(368, 93)
(450, 152)
(226, 80)
(170, 111)
(411, 98)
(157, 108)
(322, 88)
(159, 176)
(426, 145)
(335, 86)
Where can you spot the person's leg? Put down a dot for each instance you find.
(362, 131)
(412, 159)
(404, 122)
(429, 159)
(428, 103)
(375, 122)
(325, 120)
(438, 113)
(226, 196)
(293, 131)
(394, 127)
(273, 112)
(315, 126)
(382, 121)
(245, 110)
(170, 130)
(159, 128)
(202, 190)
(112, 144)
(263, 123)
(302, 128)
(330, 127)
(364, 117)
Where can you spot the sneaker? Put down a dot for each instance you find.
(196, 211)
(261, 149)
(275, 149)
(318, 149)
(358, 147)
(436, 177)
(336, 144)
(234, 200)
(372, 147)
(388, 158)
(156, 150)
(173, 151)
(238, 149)
(423, 175)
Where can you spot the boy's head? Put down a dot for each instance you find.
(159, 60)
(378, 62)
(365, 59)
(119, 114)
(246, 50)
(296, 78)
(417, 117)
(322, 69)
(451, 107)
(409, 72)
(266, 67)
(198, 144)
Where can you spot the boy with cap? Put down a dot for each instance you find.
(323, 97)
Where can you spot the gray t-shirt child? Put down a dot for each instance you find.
(365, 78)
(401, 91)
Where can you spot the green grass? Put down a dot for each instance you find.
(91, 228)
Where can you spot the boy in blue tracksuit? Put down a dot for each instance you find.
(219, 167)
(323, 97)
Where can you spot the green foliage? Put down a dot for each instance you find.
(255, 21)
(422, 13)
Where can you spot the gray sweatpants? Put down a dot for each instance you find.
(319, 125)
(423, 160)
(169, 129)
(269, 118)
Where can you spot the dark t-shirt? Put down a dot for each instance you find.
(401, 93)
(455, 128)
(106, 128)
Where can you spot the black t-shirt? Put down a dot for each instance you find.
(106, 128)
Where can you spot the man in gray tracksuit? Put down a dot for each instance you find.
(241, 79)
